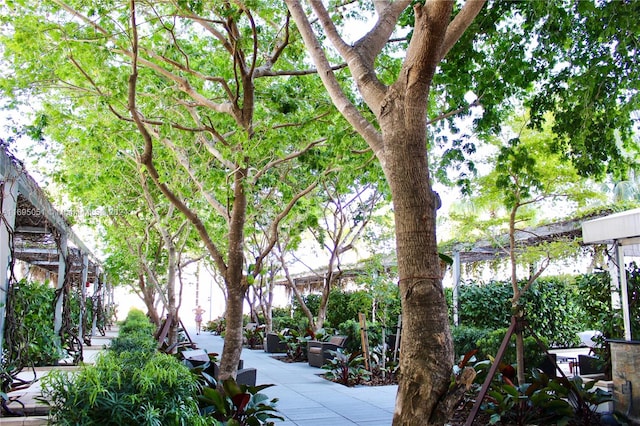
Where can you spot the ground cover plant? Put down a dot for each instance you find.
(130, 384)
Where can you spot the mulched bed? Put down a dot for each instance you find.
(286, 359)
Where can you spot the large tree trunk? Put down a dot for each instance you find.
(233, 334)
(426, 349)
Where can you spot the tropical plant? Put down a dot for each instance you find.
(254, 336)
(546, 401)
(128, 388)
(346, 368)
(216, 326)
(383, 369)
(238, 405)
(296, 342)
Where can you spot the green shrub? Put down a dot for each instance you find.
(130, 384)
(313, 303)
(551, 306)
(595, 289)
(345, 305)
(553, 312)
(217, 326)
(136, 322)
(134, 342)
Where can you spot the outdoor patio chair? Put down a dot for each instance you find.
(590, 365)
(273, 345)
(318, 352)
(244, 376)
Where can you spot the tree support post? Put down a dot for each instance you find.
(364, 336)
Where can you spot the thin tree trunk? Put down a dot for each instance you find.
(515, 302)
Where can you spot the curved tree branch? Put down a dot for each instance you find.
(344, 105)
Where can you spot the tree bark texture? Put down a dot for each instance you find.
(426, 349)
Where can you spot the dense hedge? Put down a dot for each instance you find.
(551, 307)
(29, 335)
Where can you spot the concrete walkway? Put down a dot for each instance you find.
(305, 398)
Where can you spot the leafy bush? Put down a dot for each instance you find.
(134, 342)
(345, 305)
(553, 312)
(281, 318)
(130, 384)
(351, 329)
(558, 401)
(217, 326)
(485, 305)
(136, 322)
(254, 337)
(296, 342)
(311, 300)
(382, 366)
(551, 305)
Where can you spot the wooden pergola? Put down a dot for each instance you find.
(485, 250)
(33, 231)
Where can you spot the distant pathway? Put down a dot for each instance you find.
(305, 399)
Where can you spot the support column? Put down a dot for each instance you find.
(624, 291)
(9, 193)
(62, 273)
(83, 297)
(614, 273)
(97, 295)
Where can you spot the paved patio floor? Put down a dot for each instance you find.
(305, 399)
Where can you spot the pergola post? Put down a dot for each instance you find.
(62, 273)
(612, 267)
(94, 304)
(83, 291)
(9, 203)
(624, 291)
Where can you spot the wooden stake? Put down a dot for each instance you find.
(364, 336)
